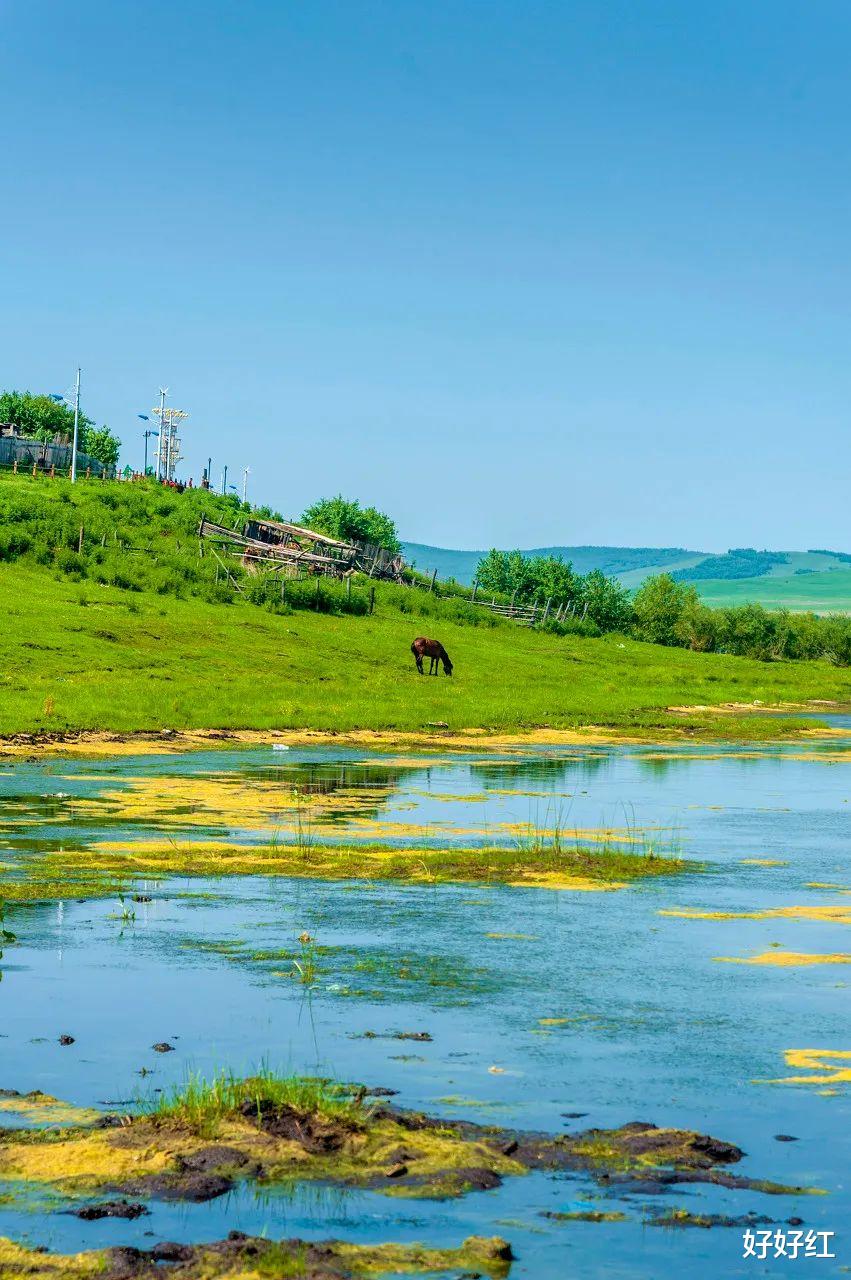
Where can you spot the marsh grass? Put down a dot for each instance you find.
(6, 935)
(303, 832)
(54, 875)
(306, 968)
(203, 1103)
(550, 846)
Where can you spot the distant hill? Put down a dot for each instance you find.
(817, 580)
(621, 562)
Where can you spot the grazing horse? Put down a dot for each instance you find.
(433, 649)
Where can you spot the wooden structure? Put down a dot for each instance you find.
(290, 549)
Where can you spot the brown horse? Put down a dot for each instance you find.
(433, 649)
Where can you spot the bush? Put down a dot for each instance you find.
(346, 519)
(658, 606)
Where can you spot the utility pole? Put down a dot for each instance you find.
(224, 480)
(163, 429)
(168, 449)
(245, 471)
(76, 430)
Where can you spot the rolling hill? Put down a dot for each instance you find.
(817, 580)
(621, 562)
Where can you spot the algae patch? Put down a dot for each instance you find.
(197, 1143)
(826, 914)
(242, 1257)
(825, 1066)
(787, 959)
(37, 1108)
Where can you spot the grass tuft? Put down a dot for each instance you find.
(203, 1103)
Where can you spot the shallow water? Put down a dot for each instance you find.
(648, 1022)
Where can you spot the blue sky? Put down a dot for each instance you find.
(519, 273)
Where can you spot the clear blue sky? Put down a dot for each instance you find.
(519, 273)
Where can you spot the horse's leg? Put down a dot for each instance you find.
(418, 658)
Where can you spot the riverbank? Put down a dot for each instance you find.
(728, 724)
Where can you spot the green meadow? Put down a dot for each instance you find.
(828, 591)
(84, 656)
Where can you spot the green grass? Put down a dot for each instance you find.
(827, 591)
(97, 873)
(88, 657)
(201, 1103)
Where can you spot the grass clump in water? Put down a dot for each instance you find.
(201, 1104)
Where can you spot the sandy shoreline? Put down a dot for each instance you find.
(176, 741)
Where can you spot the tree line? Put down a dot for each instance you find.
(42, 418)
(663, 611)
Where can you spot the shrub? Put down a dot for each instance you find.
(659, 605)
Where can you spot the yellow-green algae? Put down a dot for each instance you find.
(79, 1160)
(827, 914)
(480, 1255)
(825, 1066)
(106, 867)
(42, 1108)
(290, 1128)
(787, 959)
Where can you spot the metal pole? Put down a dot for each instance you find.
(145, 471)
(162, 431)
(245, 471)
(168, 445)
(76, 430)
(224, 481)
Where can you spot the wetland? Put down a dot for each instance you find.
(375, 1012)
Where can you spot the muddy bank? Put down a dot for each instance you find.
(265, 1133)
(247, 1257)
(105, 743)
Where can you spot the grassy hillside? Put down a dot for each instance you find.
(626, 563)
(826, 592)
(134, 631)
(77, 656)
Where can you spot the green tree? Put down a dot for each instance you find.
(100, 443)
(608, 601)
(492, 571)
(38, 416)
(346, 519)
(509, 573)
(659, 605)
(550, 578)
(697, 626)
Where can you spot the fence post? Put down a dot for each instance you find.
(371, 599)
(547, 609)
(35, 468)
(15, 467)
(431, 584)
(475, 589)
